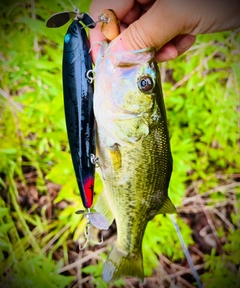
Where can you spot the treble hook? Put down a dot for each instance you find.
(87, 232)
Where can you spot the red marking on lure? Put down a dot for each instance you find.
(88, 186)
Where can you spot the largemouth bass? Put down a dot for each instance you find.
(134, 151)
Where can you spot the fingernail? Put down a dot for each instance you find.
(171, 51)
(185, 42)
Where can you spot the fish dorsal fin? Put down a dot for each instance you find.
(167, 207)
(102, 207)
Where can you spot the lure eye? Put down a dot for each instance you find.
(145, 84)
(67, 38)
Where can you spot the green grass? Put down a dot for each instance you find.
(39, 230)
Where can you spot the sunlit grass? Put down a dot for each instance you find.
(40, 232)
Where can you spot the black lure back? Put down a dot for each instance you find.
(78, 105)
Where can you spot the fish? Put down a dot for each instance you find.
(78, 106)
(133, 148)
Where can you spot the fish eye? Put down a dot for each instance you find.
(145, 84)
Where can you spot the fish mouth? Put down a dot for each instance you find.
(118, 48)
(120, 57)
(143, 50)
(129, 58)
(107, 46)
(127, 115)
(123, 113)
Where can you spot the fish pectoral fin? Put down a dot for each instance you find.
(115, 156)
(102, 207)
(167, 207)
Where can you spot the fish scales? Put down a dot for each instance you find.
(134, 152)
(140, 201)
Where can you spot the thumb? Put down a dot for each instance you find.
(153, 29)
(161, 27)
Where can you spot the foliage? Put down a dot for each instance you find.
(39, 196)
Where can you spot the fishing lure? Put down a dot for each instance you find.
(78, 98)
(61, 18)
(78, 104)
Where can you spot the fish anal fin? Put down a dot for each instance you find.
(120, 264)
(167, 207)
(102, 207)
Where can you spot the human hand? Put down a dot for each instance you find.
(170, 26)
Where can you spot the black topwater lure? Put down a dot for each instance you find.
(78, 98)
(78, 104)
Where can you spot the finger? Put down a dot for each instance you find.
(167, 52)
(175, 48)
(133, 14)
(121, 8)
(146, 5)
(153, 29)
(184, 42)
(146, 2)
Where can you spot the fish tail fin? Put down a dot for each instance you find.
(120, 264)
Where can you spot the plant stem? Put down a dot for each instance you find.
(13, 192)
